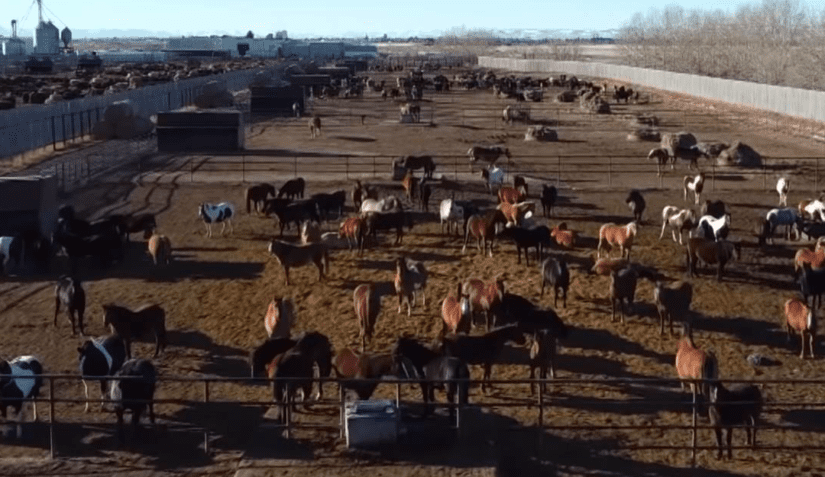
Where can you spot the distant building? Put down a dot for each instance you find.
(16, 46)
(47, 39)
(281, 35)
(271, 47)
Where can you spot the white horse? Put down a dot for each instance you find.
(782, 186)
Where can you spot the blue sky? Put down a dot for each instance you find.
(333, 17)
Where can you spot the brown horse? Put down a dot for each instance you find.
(129, 325)
(353, 230)
(257, 195)
(367, 306)
(483, 228)
(416, 162)
(314, 126)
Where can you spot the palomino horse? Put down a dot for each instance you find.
(711, 252)
(314, 127)
(257, 194)
(614, 235)
(160, 249)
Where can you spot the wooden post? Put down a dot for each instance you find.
(243, 168)
(693, 437)
(541, 405)
(288, 411)
(51, 418)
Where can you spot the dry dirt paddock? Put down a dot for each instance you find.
(216, 291)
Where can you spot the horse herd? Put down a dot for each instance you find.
(294, 362)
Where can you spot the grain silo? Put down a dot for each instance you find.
(46, 35)
(13, 46)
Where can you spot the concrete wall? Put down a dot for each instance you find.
(801, 103)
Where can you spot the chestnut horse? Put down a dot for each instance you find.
(614, 235)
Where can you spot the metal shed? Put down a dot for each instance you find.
(276, 99)
(29, 203)
(209, 130)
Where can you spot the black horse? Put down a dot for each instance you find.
(257, 194)
(434, 370)
(108, 247)
(293, 188)
(483, 350)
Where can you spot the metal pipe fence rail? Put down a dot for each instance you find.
(574, 171)
(541, 402)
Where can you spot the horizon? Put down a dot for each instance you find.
(328, 19)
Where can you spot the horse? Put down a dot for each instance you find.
(548, 198)
(107, 247)
(483, 228)
(135, 394)
(130, 325)
(564, 237)
(160, 249)
(525, 239)
(510, 195)
(290, 255)
(367, 303)
(677, 220)
(20, 380)
(69, 292)
(217, 213)
(360, 370)
(397, 220)
(694, 184)
(279, 318)
(783, 184)
(98, 359)
(493, 176)
(410, 183)
(555, 273)
(484, 297)
(12, 250)
(293, 188)
(353, 229)
(662, 156)
(130, 224)
(489, 154)
(257, 194)
(483, 350)
(636, 203)
(716, 229)
(361, 192)
(314, 127)
(456, 313)
(410, 277)
(327, 202)
(264, 356)
(612, 235)
(412, 360)
(450, 213)
(296, 213)
(416, 162)
(710, 252)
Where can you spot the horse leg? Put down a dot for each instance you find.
(57, 309)
(86, 395)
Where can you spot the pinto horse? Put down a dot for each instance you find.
(413, 360)
(69, 292)
(218, 213)
(483, 228)
(257, 194)
(613, 235)
(98, 359)
(20, 379)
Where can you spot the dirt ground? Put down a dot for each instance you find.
(216, 292)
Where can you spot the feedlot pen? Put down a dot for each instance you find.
(216, 291)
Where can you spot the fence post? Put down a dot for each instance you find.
(713, 176)
(541, 404)
(287, 410)
(205, 429)
(343, 409)
(693, 436)
(51, 418)
(243, 168)
(610, 171)
(558, 173)
(54, 136)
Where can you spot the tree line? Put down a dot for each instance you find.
(778, 42)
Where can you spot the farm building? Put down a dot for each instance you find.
(29, 203)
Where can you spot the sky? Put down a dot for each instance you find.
(334, 18)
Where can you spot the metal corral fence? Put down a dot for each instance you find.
(775, 413)
(573, 171)
(780, 99)
(27, 128)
